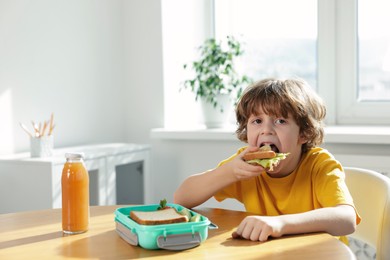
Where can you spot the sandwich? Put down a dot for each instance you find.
(265, 157)
(158, 217)
(164, 215)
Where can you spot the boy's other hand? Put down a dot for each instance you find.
(259, 228)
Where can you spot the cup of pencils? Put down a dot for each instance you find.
(41, 140)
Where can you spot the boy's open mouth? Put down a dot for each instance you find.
(273, 147)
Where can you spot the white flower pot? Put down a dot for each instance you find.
(212, 116)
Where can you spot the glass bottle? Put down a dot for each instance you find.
(75, 195)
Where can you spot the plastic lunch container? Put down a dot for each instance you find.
(177, 236)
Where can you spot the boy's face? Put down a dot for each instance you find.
(282, 134)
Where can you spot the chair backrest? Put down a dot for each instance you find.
(371, 194)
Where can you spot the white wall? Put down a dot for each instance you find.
(64, 57)
(96, 64)
(144, 99)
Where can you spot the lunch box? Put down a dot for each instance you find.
(176, 236)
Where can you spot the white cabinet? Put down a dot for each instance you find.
(35, 183)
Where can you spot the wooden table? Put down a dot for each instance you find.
(38, 235)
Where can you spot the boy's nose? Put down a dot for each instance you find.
(268, 128)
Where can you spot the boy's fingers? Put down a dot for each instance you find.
(235, 235)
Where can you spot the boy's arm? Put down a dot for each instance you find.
(338, 221)
(198, 188)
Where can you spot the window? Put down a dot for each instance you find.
(374, 50)
(341, 47)
(362, 86)
(277, 41)
(343, 52)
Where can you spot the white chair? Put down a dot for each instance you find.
(371, 194)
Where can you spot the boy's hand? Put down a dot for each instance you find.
(242, 170)
(259, 228)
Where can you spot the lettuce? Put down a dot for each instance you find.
(269, 163)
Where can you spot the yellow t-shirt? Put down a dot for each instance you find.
(317, 182)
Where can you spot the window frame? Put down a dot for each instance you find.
(338, 67)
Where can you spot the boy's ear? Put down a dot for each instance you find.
(302, 139)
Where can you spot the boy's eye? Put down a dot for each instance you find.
(257, 121)
(280, 121)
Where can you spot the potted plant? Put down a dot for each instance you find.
(216, 82)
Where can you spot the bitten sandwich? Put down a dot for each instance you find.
(265, 157)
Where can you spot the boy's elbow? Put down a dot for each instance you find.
(343, 229)
(176, 199)
(348, 223)
(184, 200)
(179, 199)
(350, 227)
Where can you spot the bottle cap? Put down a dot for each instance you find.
(74, 155)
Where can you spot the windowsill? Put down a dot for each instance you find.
(333, 134)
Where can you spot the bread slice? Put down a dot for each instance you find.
(259, 155)
(158, 217)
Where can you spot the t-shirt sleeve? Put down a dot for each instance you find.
(227, 192)
(331, 189)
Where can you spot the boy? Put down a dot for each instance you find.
(305, 193)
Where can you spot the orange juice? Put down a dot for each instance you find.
(75, 195)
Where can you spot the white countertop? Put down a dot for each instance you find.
(90, 151)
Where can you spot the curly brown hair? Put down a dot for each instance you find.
(290, 97)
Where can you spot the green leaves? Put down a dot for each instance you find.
(214, 71)
(163, 204)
